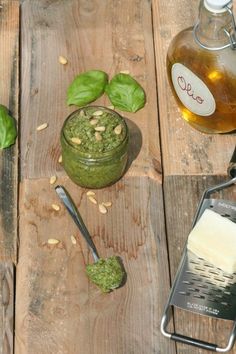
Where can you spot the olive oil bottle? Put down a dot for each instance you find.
(201, 65)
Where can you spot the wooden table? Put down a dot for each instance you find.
(57, 310)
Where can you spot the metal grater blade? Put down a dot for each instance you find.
(201, 287)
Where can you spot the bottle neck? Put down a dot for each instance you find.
(212, 27)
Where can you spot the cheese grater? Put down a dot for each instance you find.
(199, 286)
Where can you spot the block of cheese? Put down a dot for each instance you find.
(214, 239)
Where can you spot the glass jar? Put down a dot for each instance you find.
(202, 71)
(94, 142)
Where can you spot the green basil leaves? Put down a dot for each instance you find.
(87, 87)
(125, 93)
(8, 132)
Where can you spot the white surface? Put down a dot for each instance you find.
(214, 239)
(217, 5)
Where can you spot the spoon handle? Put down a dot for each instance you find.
(73, 211)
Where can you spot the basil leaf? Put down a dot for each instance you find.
(8, 131)
(125, 93)
(87, 87)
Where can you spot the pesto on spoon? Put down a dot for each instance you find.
(106, 273)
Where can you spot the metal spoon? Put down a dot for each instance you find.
(73, 211)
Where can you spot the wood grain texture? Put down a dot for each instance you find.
(57, 309)
(185, 150)
(7, 274)
(9, 90)
(75, 30)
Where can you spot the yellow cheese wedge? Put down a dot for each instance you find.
(214, 239)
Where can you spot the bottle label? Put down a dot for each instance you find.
(192, 91)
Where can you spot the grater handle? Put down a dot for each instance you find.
(191, 341)
(232, 165)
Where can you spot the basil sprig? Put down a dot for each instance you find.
(8, 132)
(87, 87)
(125, 93)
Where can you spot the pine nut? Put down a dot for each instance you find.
(91, 193)
(93, 121)
(98, 113)
(76, 141)
(102, 209)
(100, 129)
(42, 126)
(92, 200)
(98, 136)
(53, 241)
(55, 207)
(62, 60)
(53, 179)
(118, 129)
(73, 240)
(107, 204)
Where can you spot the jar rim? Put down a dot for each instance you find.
(94, 156)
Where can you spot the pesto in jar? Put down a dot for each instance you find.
(107, 274)
(94, 143)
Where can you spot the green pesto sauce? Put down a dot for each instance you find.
(107, 274)
(92, 163)
(79, 126)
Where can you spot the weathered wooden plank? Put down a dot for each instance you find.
(90, 35)
(192, 161)
(9, 49)
(185, 150)
(57, 309)
(9, 37)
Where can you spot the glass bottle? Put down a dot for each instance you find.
(201, 65)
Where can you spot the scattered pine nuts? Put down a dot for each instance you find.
(42, 126)
(98, 136)
(97, 113)
(55, 207)
(92, 200)
(124, 72)
(102, 209)
(53, 179)
(91, 193)
(107, 204)
(62, 60)
(53, 241)
(73, 240)
(60, 159)
(76, 141)
(93, 121)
